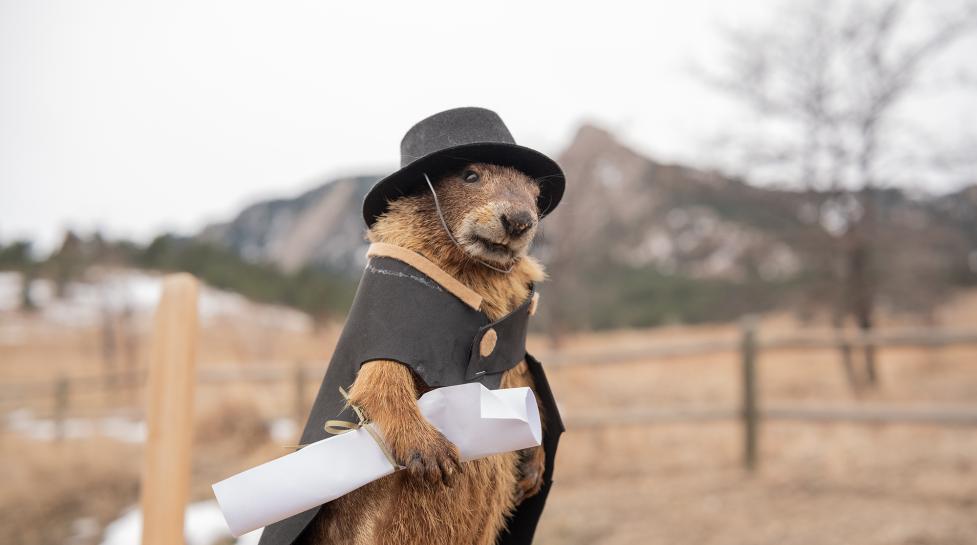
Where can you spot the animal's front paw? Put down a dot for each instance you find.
(532, 462)
(430, 458)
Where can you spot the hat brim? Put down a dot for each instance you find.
(409, 180)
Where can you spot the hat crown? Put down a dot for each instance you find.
(451, 139)
(450, 128)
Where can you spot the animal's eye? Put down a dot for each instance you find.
(470, 176)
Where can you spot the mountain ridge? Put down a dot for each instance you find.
(641, 222)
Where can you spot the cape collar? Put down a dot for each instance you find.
(426, 266)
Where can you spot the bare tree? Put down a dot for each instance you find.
(825, 83)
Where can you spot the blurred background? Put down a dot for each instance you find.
(761, 321)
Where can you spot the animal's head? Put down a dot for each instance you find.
(491, 211)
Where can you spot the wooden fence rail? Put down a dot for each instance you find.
(751, 412)
(872, 414)
(809, 340)
(277, 371)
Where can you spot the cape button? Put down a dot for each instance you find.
(487, 346)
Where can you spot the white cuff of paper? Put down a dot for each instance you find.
(479, 421)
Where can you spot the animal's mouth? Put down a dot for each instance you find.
(496, 248)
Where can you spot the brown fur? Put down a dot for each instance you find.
(435, 500)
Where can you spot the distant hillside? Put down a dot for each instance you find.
(321, 227)
(638, 212)
(959, 209)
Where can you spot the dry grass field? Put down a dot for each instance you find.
(662, 483)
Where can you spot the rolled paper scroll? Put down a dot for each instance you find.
(479, 421)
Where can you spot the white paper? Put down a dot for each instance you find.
(479, 421)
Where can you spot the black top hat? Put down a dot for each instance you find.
(451, 139)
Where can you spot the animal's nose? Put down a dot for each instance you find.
(517, 223)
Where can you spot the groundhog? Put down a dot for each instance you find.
(493, 216)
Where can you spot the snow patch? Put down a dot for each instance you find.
(283, 430)
(203, 525)
(120, 428)
(125, 291)
(128, 430)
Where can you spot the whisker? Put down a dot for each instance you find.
(548, 176)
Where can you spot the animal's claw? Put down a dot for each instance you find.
(435, 460)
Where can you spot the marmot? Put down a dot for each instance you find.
(492, 212)
(445, 299)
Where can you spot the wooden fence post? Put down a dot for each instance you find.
(750, 414)
(169, 413)
(62, 395)
(298, 377)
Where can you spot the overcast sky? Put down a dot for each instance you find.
(135, 117)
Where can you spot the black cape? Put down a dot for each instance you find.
(431, 323)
